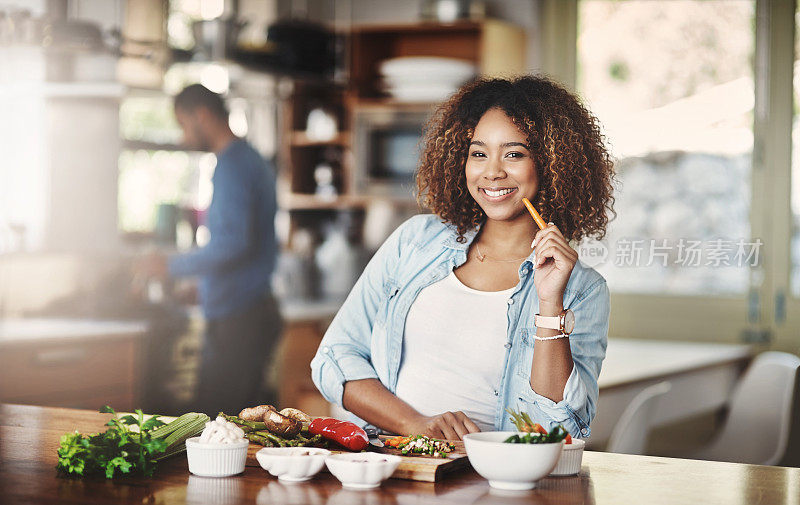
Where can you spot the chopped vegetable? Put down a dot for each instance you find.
(397, 441)
(421, 444)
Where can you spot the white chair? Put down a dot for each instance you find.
(757, 427)
(631, 431)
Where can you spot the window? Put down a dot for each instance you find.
(154, 171)
(672, 84)
(726, 110)
(795, 243)
(150, 179)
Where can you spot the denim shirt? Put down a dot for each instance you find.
(365, 339)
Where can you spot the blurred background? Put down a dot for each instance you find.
(696, 99)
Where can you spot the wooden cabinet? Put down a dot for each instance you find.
(56, 367)
(300, 154)
(295, 387)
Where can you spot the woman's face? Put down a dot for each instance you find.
(500, 170)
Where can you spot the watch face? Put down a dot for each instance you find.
(569, 321)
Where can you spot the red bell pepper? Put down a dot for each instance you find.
(344, 433)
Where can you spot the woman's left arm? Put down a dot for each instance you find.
(564, 371)
(574, 403)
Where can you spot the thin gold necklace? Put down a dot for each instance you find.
(482, 256)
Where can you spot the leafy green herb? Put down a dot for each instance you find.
(556, 435)
(119, 450)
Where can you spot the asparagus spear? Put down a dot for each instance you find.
(254, 437)
(247, 426)
(278, 441)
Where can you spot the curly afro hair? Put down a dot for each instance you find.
(575, 170)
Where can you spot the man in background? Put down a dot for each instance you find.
(243, 323)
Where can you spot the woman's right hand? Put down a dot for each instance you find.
(448, 426)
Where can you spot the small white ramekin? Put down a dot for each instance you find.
(216, 460)
(364, 470)
(571, 456)
(292, 464)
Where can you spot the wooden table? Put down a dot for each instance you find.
(29, 438)
(702, 377)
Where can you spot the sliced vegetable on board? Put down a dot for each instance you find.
(421, 445)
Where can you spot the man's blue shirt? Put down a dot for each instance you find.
(235, 267)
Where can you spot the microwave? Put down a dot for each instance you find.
(387, 144)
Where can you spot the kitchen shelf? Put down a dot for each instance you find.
(300, 201)
(143, 145)
(495, 47)
(394, 103)
(300, 139)
(66, 89)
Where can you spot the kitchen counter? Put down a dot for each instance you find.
(702, 376)
(41, 330)
(630, 361)
(294, 310)
(29, 439)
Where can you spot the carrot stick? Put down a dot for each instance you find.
(534, 214)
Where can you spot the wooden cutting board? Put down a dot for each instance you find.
(419, 468)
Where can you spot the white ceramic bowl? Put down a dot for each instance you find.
(216, 460)
(292, 464)
(422, 66)
(363, 470)
(570, 461)
(510, 466)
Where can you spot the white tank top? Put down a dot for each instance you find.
(454, 351)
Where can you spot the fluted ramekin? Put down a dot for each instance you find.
(216, 460)
(571, 456)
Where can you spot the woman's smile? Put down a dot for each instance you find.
(496, 195)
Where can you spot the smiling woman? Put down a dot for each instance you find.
(438, 335)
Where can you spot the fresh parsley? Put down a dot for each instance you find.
(119, 450)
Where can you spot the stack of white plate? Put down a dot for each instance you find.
(424, 78)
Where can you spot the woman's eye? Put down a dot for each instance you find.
(515, 155)
(477, 154)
